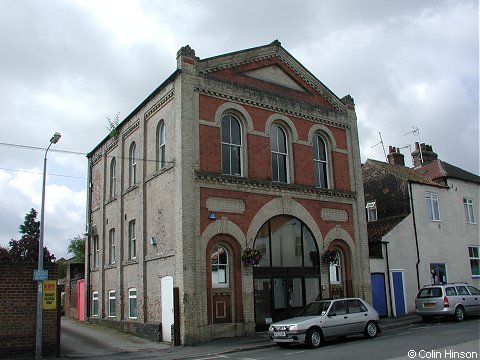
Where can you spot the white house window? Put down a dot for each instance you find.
(371, 211)
(220, 271)
(132, 240)
(320, 160)
(231, 146)
(132, 166)
(95, 303)
(111, 303)
(95, 251)
(113, 178)
(111, 246)
(335, 270)
(161, 145)
(132, 303)
(279, 149)
(433, 211)
(473, 253)
(469, 214)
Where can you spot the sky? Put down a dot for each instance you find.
(69, 65)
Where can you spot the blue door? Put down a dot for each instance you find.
(379, 295)
(397, 279)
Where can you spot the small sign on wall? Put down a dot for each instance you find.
(49, 294)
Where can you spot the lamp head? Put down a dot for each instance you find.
(55, 138)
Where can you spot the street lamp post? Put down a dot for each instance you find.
(38, 343)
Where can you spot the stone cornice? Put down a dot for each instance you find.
(283, 59)
(278, 109)
(248, 184)
(159, 104)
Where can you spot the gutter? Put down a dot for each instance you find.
(87, 241)
(388, 282)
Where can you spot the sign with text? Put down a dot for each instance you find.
(50, 295)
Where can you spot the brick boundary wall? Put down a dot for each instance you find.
(18, 313)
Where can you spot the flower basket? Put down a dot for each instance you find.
(330, 257)
(251, 256)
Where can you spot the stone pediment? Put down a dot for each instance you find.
(274, 74)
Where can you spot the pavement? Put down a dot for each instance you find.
(129, 344)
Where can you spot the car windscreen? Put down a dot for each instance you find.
(316, 308)
(430, 293)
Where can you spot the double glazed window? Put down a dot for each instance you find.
(161, 145)
(433, 211)
(320, 160)
(132, 165)
(231, 146)
(469, 214)
(132, 241)
(279, 150)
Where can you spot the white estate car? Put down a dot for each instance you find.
(326, 319)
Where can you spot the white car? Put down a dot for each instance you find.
(325, 319)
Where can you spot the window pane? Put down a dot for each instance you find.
(317, 174)
(282, 168)
(279, 289)
(261, 244)
(310, 249)
(274, 167)
(474, 266)
(284, 234)
(226, 159)
(236, 160)
(323, 175)
(282, 141)
(315, 148)
(296, 295)
(321, 149)
(235, 132)
(226, 130)
(274, 138)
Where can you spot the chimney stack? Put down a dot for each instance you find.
(395, 157)
(423, 154)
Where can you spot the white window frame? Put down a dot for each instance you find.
(161, 145)
(232, 145)
(132, 165)
(471, 256)
(433, 204)
(132, 294)
(113, 178)
(280, 155)
(111, 246)
(95, 303)
(321, 163)
(225, 267)
(469, 211)
(132, 241)
(372, 211)
(112, 309)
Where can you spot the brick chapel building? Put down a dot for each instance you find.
(241, 150)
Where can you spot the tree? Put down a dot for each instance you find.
(26, 249)
(77, 248)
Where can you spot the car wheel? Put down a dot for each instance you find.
(371, 330)
(459, 314)
(314, 338)
(283, 345)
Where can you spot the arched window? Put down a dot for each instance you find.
(113, 178)
(335, 270)
(320, 161)
(279, 149)
(231, 146)
(220, 268)
(161, 145)
(132, 166)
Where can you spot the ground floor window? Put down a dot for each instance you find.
(111, 303)
(95, 303)
(132, 303)
(473, 253)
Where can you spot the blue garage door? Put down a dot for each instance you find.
(379, 295)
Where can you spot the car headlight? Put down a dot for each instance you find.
(293, 327)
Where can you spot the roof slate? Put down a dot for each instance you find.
(378, 229)
(438, 169)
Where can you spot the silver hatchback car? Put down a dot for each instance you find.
(326, 319)
(456, 300)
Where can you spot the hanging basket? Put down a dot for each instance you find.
(251, 256)
(330, 257)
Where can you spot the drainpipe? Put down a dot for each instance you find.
(416, 235)
(87, 240)
(388, 278)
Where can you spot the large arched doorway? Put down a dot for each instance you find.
(288, 276)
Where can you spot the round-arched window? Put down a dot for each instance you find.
(220, 268)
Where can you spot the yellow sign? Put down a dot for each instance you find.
(49, 294)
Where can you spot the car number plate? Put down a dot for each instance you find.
(279, 334)
(429, 305)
